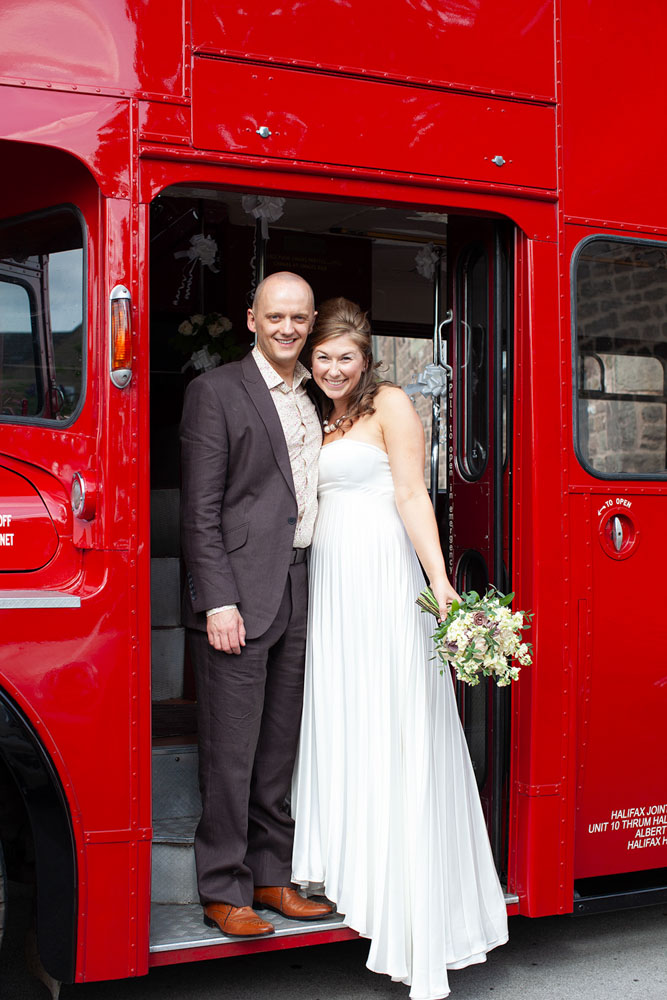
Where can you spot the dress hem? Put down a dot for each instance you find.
(478, 958)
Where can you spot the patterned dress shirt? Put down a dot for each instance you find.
(303, 435)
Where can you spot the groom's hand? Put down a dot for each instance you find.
(226, 631)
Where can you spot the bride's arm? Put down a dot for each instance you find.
(404, 440)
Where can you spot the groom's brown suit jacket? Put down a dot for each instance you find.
(238, 505)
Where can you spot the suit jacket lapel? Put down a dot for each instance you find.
(260, 395)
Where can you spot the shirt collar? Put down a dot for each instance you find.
(273, 379)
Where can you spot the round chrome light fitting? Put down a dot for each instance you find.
(78, 495)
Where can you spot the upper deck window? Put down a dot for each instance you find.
(42, 307)
(620, 327)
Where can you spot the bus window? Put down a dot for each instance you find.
(19, 388)
(41, 316)
(404, 358)
(621, 357)
(403, 276)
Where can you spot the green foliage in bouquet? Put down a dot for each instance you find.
(481, 636)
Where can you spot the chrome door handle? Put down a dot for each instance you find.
(441, 357)
(617, 533)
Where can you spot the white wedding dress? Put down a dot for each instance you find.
(387, 812)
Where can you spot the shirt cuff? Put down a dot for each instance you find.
(225, 607)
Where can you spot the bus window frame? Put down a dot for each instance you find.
(472, 252)
(54, 422)
(38, 351)
(576, 253)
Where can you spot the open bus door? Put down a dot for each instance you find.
(472, 339)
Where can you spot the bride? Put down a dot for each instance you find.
(387, 813)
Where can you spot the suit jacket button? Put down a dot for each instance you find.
(291, 520)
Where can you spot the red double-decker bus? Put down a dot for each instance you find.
(487, 180)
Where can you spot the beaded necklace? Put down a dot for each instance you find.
(330, 428)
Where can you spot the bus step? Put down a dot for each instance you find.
(173, 874)
(174, 928)
(176, 810)
(175, 782)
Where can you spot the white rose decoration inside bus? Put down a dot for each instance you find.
(202, 338)
(480, 637)
(203, 250)
(426, 260)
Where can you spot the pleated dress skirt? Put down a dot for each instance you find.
(387, 813)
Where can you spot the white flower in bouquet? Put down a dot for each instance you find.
(222, 325)
(480, 637)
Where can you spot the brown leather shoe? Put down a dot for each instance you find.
(283, 899)
(237, 921)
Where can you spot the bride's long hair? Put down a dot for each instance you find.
(341, 318)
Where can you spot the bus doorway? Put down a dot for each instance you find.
(209, 250)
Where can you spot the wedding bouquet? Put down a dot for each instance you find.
(480, 637)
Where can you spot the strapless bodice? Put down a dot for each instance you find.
(348, 466)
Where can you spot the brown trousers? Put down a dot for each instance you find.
(249, 713)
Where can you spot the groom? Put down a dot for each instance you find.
(250, 438)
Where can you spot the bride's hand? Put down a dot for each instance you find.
(444, 594)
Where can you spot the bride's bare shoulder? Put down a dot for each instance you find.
(396, 416)
(392, 399)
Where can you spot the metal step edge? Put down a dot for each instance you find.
(175, 926)
(175, 830)
(180, 749)
(172, 840)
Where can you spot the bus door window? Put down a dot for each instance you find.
(473, 369)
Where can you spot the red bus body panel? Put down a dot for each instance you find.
(107, 102)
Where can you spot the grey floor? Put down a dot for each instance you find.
(616, 956)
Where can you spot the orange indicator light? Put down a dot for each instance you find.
(121, 337)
